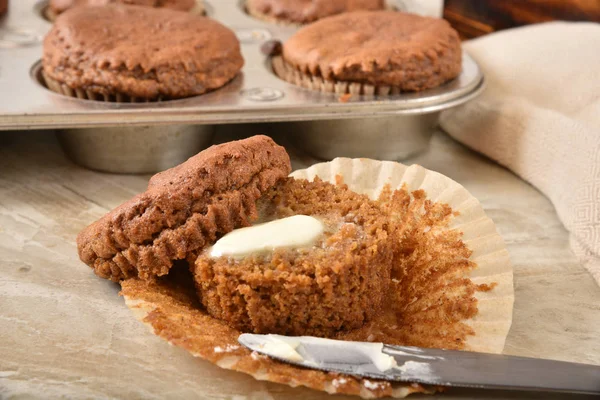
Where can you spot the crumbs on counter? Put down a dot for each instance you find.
(345, 98)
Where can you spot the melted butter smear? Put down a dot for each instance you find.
(292, 232)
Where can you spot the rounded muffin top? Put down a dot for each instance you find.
(378, 47)
(141, 51)
(60, 6)
(304, 11)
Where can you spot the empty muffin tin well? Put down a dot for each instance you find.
(387, 127)
(134, 149)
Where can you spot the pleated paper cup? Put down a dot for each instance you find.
(492, 265)
(294, 76)
(91, 94)
(467, 272)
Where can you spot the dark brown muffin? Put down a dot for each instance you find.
(132, 53)
(183, 209)
(57, 7)
(336, 285)
(381, 52)
(305, 11)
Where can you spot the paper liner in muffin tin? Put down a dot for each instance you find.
(292, 75)
(89, 94)
(489, 253)
(173, 312)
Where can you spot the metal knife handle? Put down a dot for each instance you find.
(493, 371)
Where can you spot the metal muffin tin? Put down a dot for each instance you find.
(390, 127)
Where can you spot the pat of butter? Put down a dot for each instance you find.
(291, 232)
(285, 349)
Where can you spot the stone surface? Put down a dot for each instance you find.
(66, 333)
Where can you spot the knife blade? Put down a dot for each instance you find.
(428, 366)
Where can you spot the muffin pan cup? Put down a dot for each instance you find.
(326, 125)
(134, 150)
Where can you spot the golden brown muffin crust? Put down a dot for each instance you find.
(336, 285)
(304, 11)
(140, 51)
(378, 47)
(60, 6)
(183, 209)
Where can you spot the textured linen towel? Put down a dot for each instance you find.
(540, 117)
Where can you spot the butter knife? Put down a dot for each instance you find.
(428, 366)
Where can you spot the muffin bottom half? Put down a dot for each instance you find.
(337, 285)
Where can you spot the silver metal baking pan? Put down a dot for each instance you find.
(402, 122)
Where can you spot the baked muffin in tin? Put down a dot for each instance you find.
(57, 7)
(371, 52)
(338, 284)
(133, 53)
(306, 11)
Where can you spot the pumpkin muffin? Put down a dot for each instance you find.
(338, 284)
(371, 52)
(57, 7)
(306, 11)
(184, 209)
(132, 53)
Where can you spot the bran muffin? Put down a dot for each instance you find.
(336, 285)
(183, 209)
(306, 11)
(133, 53)
(371, 52)
(57, 7)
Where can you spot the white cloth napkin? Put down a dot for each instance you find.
(540, 117)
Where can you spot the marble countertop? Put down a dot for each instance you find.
(65, 333)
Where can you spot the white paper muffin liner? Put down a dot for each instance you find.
(493, 321)
(490, 325)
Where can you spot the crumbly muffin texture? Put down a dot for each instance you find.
(388, 48)
(339, 284)
(142, 52)
(184, 209)
(305, 11)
